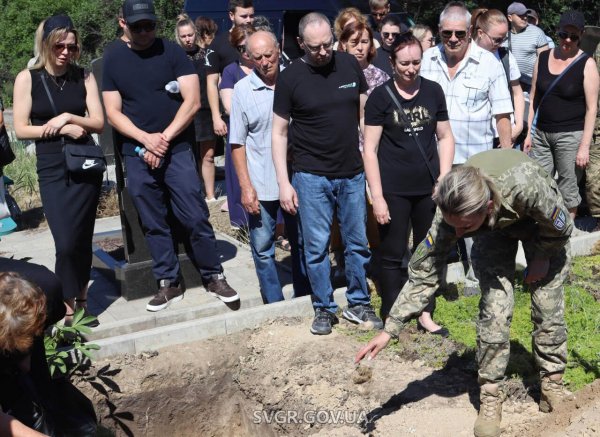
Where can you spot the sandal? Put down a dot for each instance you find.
(283, 243)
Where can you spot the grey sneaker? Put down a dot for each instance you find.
(362, 314)
(166, 296)
(323, 322)
(219, 287)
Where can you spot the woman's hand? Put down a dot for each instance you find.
(220, 127)
(74, 131)
(583, 157)
(58, 122)
(527, 144)
(381, 211)
(372, 348)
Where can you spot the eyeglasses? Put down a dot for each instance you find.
(147, 26)
(564, 35)
(72, 48)
(387, 35)
(241, 48)
(325, 46)
(460, 34)
(497, 41)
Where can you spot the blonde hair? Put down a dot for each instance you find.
(420, 30)
(185, 20)
(465, 191)
(344, 16)
(484, 19)
(46, 48)
(22, 313)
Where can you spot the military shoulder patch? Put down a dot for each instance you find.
(429, 241)
(559, 218)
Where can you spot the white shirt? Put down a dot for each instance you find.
(477, 93)
(250, 124)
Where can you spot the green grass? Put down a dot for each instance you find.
(24, 174)
(582, 314)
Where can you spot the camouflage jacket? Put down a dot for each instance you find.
(532, 209)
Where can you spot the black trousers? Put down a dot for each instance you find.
(404, 210)
(70, 206)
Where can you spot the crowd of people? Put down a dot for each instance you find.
(375, 138)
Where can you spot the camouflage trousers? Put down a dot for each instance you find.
(494, 266)
(592, 179)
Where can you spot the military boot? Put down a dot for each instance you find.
(487, 424)
(553, 393)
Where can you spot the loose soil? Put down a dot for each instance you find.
(308, 385)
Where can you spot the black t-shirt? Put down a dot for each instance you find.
(323, 104)
(220, 54)
(403, 170)
(140, 77)
(382, 61)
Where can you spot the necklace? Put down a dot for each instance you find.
(56, 81)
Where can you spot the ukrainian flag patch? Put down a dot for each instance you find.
(429, 241)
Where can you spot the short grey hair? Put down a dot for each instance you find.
(310, 19)
(266, 33)
(455, 11)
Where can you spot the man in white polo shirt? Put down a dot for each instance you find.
(476, 90)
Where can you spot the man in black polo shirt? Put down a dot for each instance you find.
(220, 54)
(148, 117)
(324, 94)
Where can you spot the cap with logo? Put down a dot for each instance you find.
(138, 10)
(516, 8)
(572, 18)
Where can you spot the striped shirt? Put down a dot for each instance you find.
(524, 46)
(477, 93)
(250, 124)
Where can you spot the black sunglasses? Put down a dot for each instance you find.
(72, 48)
(447, 34)
(147, 26)
(564, 35)
(387, 35)
(496, 41)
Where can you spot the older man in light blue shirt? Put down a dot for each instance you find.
(250, 137)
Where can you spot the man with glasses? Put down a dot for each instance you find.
(476, 90)
(149, 118)
(324, 93)
(526, 42)
(379, 9)
(391, 28)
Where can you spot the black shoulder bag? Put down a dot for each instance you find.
(412, 131)
(79, 159)
(6, 153)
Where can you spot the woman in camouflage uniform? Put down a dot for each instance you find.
(498, 197)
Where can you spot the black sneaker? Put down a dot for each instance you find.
(323, 322)
(219, 287)
(362, 314)
(166, 296)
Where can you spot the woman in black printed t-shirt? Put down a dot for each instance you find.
(399, 179)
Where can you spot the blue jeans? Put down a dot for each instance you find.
(262, 244)
(318, 198)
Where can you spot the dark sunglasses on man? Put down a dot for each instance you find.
(447, 34)
(146, 26)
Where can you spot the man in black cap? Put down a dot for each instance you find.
(156, 140)
(534, 18)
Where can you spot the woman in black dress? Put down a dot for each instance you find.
(69, 201)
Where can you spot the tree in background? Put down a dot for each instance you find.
(96, 21)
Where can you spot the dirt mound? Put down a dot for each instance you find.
(281, 380)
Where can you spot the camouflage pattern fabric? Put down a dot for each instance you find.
(532, 211)
(592, 180)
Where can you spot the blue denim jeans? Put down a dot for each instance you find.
(319, 197)
(262, 243)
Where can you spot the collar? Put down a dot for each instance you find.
(257, 83)
(328, 67)
(474, 52)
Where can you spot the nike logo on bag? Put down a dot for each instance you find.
(89, 163)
